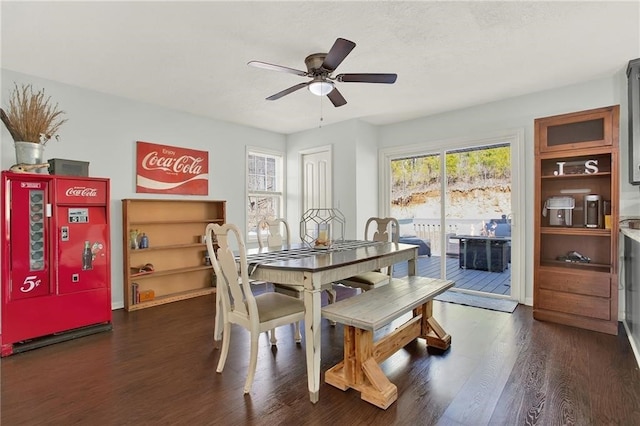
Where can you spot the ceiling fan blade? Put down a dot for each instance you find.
(367, 78)
(271, 67)
(287, 91)
(340, 49)
(336, 98)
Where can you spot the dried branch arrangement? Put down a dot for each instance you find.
(31, 116)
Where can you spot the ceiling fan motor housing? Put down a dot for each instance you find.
(314, 64)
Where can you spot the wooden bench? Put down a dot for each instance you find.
(365, 313)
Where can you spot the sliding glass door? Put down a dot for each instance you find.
(456, 205)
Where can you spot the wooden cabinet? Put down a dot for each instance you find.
(577, 163)
(174, 229)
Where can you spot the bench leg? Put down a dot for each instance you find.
(432, 332)
(380, 391)
(360, 370)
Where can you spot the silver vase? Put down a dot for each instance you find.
(30, 153)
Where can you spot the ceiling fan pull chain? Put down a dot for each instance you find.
(321, 117)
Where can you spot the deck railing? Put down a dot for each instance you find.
(431, 230)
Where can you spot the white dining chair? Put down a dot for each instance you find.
(388, 230)
(257, 314)
(270, 233)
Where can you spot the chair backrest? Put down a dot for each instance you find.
(386, 229)
(273, 237)
(232, 287)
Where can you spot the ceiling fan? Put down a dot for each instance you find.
(320, 66)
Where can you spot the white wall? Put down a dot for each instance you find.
(367, 192)
(103, 129)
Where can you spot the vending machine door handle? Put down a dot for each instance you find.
(48, 210)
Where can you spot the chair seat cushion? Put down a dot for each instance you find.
(372, 278)
(274, 305)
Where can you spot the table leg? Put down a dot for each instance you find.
(488, 250)
(462, 252)
(411, 267)
(312, 303)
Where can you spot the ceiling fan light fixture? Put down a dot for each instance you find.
(321, 87)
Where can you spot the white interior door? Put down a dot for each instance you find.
(316, 178)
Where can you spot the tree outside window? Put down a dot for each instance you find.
(264, 189)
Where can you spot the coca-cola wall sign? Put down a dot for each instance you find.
(163, 169)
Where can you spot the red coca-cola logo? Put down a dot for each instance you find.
(185, 164)
(81, 191)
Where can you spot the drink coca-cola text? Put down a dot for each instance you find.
(185, 164)
(81, 191)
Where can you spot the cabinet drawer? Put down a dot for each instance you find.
(584, 283)
(575, 304)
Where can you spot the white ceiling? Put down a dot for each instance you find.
(192, 56)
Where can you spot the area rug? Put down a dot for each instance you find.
(501, 305)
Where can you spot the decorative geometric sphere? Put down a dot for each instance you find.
(319, 228)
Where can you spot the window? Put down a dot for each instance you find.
(265, 192)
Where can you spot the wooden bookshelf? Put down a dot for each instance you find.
(174, 229)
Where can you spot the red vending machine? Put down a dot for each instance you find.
(56, 262)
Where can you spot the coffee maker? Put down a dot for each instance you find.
(593, 211)
(561, 210)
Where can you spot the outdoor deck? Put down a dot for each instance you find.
(468, 279)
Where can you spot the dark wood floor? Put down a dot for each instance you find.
(468, 279)
(157, 367)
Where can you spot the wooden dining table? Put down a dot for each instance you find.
(310, 269)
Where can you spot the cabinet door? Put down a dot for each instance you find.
(632, 285)
(633, 75)
(586, 129)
